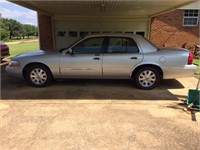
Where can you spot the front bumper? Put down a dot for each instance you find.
(14, 71)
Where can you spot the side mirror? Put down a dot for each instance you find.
(68, 51)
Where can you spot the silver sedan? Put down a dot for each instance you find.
(107, 56)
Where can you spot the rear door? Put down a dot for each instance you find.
(121, 55)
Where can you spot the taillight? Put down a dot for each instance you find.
(190, 59)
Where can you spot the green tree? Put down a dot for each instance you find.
(36, 31)
(10, 28)
(13, 27)
(18, 30)
(4, 34)
(28, 30)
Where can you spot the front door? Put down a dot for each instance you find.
(85, 61)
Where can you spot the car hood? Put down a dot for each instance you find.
(37, 53)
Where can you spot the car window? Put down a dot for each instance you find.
(122, 45)
(117, 45)
(131, 46)
(89, 46)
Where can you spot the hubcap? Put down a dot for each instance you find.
(38, 76)
(147, 78)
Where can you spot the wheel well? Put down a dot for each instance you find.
(153, 66)
(24, 72)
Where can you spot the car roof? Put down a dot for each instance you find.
(114, 34)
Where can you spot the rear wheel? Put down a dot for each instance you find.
(147, 78)
(39, 76)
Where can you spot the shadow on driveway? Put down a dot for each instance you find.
(13, 88)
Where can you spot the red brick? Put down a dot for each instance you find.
(168, 31)
(45, 31)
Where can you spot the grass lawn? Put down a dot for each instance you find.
(16, 39)
(20, 48)
(197, 61)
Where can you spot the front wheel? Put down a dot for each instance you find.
(39, 76)
(147, 78)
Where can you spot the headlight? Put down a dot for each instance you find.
(14, 63)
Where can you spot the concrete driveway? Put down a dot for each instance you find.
(97, 114)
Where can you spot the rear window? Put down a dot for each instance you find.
(152, 44)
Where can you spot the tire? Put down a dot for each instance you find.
(147, 78)
(39, 76)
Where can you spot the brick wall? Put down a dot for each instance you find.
(167, 30)
(45, 31)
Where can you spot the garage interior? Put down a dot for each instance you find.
(64, 22)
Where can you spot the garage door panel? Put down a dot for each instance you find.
(63, 27)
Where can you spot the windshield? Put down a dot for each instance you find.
(62, 49)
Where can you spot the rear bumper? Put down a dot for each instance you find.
(177, 72)
(4, 53)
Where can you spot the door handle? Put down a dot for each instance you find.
(133, 58)
(96, 58)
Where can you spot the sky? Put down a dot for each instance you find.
(21, 14)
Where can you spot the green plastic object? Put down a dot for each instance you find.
(194, 97)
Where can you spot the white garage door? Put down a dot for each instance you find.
(67, 32)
